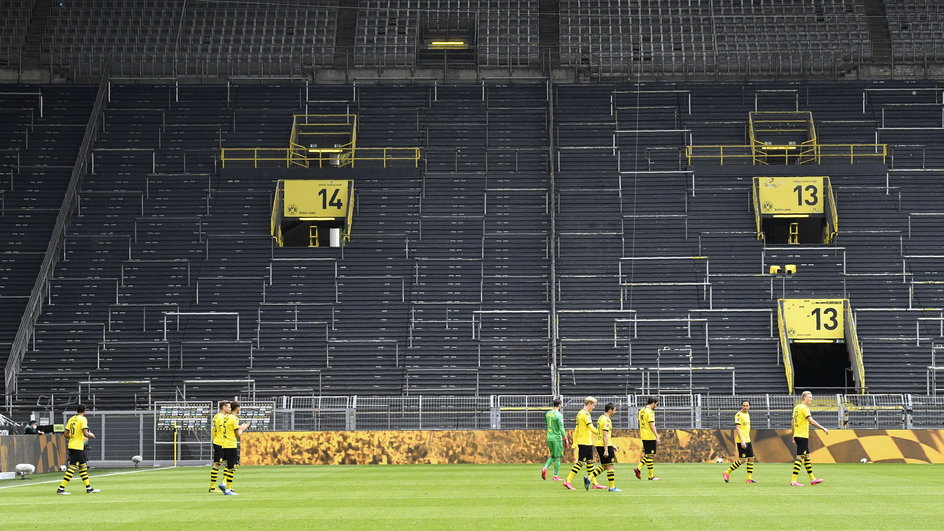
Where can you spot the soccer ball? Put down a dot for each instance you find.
(864, 460)
(719, 460)
(62, 467)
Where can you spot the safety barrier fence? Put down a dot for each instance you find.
(788, 154)
(287, 156)
(122, 434)
(78, 61)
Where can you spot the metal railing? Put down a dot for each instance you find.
(123, 433)
(287, 156)
(688, 411)
(746, 154)
(83, 61)
(56, 240)
(76, 65)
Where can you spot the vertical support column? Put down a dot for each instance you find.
(909, 408)
(494, 412)
(350, 420)
(141, 434)
(697, 408)
(840, 411)
(552, 285)
(104, 438)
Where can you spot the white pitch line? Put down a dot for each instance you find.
(94, 476)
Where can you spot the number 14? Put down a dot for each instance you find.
(333, 202)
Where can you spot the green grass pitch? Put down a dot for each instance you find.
(463, 497)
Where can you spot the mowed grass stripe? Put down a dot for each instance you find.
(454, 497)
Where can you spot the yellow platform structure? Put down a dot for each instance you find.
(321, 141)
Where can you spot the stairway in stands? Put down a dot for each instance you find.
(445, 286)
(33, 43)
(344, 32)
(42, 129)
(169, 266)
(879, 35)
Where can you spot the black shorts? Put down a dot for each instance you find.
(744, 452)
(606, 459)
(77, 457)
(217, 453)
(585, 452)
(231, 456)
(649, 447)
(803, 445)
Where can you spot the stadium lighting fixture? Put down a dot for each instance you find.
(433, 45)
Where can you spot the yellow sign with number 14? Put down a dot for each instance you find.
(316, 198)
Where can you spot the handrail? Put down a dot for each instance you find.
(832, 227)
(275, 219)
(852, 339)
(785, 347)
(350, 214)
(846, 151)
(288, 155)
(755, 200)
(51, 258)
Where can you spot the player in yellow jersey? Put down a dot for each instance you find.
(742, 443)
(801, 436)
(230, 430)
(215, 431)
(605, 451)
(650, 438)
(77, 432)
(583, 439)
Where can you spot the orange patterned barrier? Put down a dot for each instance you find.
(45, 452)
(527, 446)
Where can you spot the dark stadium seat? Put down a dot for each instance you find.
(456, 268)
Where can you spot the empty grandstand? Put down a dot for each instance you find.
(549, 198)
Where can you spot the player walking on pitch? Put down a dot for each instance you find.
(216, 432)
(77, 431)
(606, 452)
(650, 438)
(801, 436)
(229, 441)
(556, 439)
(742, 443)
(583, 440)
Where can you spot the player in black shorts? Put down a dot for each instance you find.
(802, 419)
(650, 438)
(742, 443)
(229, 440)
(606, 451)
(216, 433)
(78, 434)
(583, 438)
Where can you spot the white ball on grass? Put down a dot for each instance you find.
(719, 460)
(864, 460)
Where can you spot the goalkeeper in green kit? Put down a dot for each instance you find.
(556, 439)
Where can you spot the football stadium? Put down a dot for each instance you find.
(492, 264)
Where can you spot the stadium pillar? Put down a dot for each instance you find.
(552, 287)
